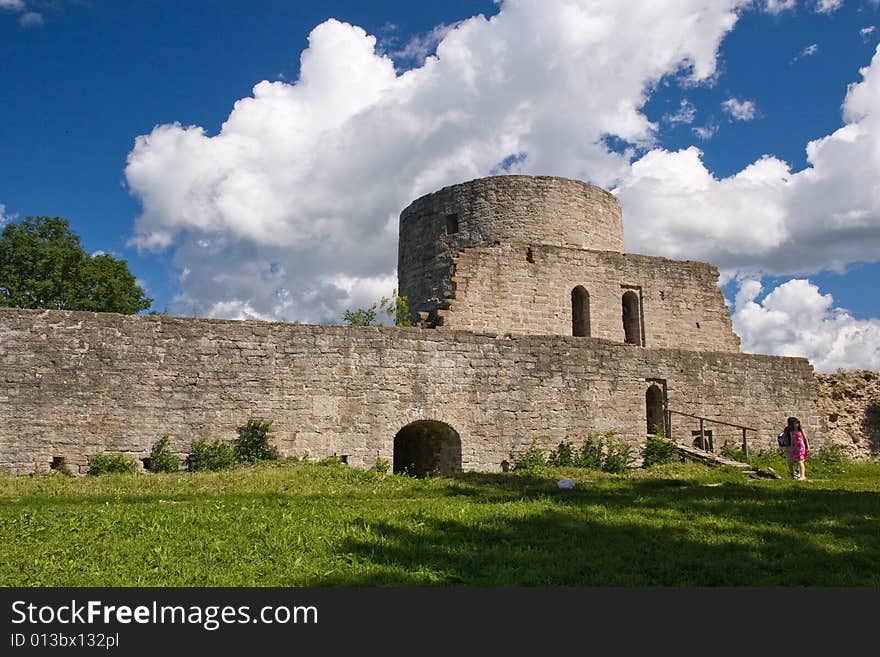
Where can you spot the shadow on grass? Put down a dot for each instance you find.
(632, 533)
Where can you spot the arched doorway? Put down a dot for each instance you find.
(654, 408)
(427, 447)
(580, 312)
(631, 321)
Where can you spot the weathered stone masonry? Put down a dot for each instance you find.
(74, 384)
(534, 326)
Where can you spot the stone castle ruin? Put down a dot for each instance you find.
(531, 324)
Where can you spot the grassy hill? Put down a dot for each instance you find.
(304, 524)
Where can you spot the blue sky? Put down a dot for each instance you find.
(327, 162)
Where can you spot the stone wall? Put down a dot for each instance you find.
(534, 209)
(850, 404)
(522, 288)
(74, 384)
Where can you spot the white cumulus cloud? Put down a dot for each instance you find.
(12, 5)
(739, 110)
(686, 113)
(828, 6)
(767, 218)
(706, 132)
(777, 6)
(795, 319)
(291, 210)
(417, 49)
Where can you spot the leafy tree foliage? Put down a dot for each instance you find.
(43, 265)
(361, 316)
(395, 306)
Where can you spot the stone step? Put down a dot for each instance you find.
(710, 457)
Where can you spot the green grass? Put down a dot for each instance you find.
(311, 525)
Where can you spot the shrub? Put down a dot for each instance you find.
(161, 458)
(768, 458)
(592, 453)
(828, 458)
(381, 465)
(618, 454)
(330, 460)
(100, 464)
(210, 456)
(563, 456)
(659, 450)
(252, 444)
(732, 450)
(531, 457)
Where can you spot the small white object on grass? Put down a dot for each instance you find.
(565, 483)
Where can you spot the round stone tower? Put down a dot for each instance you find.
(539, 210)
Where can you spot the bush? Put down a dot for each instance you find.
(531, 457)
(732, 450)
(659, 450)
(600, 452)
(381, 465)
(161, 458)
(828, 458)
(618, 454)
(775, 458)
(100, 464)
(592, 453)
(563, 456)
(252, 444)
(210, 456)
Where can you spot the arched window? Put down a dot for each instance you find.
(580, 312)
(654, 408)
(631, 321)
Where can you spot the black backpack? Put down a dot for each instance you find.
(784, 438)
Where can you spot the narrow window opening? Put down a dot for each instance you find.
(580, 312)
(631, 320)
(451, 224)
(530, 256)
(698, 325)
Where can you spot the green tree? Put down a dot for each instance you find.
(395, 306)
(397, 309)
(361, 316)
(43, 265)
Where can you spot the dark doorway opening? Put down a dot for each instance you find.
(631, 319)
(654, 409)
(427, 447)
(580, 312)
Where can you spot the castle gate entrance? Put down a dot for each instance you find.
(425, 447)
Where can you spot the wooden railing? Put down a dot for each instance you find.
(704, 443)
